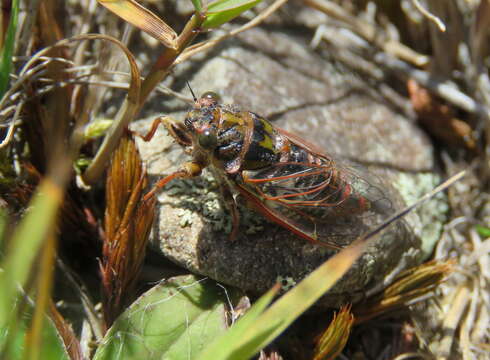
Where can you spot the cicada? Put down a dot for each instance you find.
(283, 177)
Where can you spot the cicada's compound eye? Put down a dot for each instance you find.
(211, 97)
(207, 139)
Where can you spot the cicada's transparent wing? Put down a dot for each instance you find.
(301, 226)
(321, 198)
(371, 188)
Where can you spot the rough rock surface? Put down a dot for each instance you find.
(277, 76)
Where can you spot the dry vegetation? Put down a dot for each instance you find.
(64, 87)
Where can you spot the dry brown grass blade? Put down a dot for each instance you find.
(46, 118)
(128, 222)
(445, 45)
(334, 338)
(38, 63)
(479, 32)
(439, 119)
(4, 21)
(49, 29)
(412, 284)
(65, 331)
(452, 320)
(167, 58)
(53, 108)
(144, 19)
(368, 32)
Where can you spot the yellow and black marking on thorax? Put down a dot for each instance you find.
(230, 127)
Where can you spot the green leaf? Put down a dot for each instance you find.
(97, 128)
(222, 11)
(173, 320)
(197, 5)
(8, 48)
(483, 230)
(52, 346)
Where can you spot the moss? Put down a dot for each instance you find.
(287, 282)
(201, 195)
(432, 214)
(185, 216)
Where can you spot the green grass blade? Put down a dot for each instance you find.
(483, 230)
(8, 48)
(225, 5)
(219, 349)
(3, 223)
(17, 335)
(197, 5)
(222, 11)
(25, 244)
(244, 343)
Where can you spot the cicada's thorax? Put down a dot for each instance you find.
(244, 140)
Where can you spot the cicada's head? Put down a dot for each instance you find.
(202, 121)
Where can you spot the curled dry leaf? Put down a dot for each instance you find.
(438, 118)
(65, 331)
(144, 19)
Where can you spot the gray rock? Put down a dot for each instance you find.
(275, 75)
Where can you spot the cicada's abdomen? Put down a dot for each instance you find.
(314, 185)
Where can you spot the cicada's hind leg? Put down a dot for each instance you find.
(188, 170)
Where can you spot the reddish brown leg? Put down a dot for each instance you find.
(235, 215)
(154, 127)
(175, 129)
(189, 169)
(233, 208)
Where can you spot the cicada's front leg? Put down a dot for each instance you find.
(178, 131)
(175, 129)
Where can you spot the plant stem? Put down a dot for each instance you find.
(163, 64)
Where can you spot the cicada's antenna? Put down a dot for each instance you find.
(192, 92)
